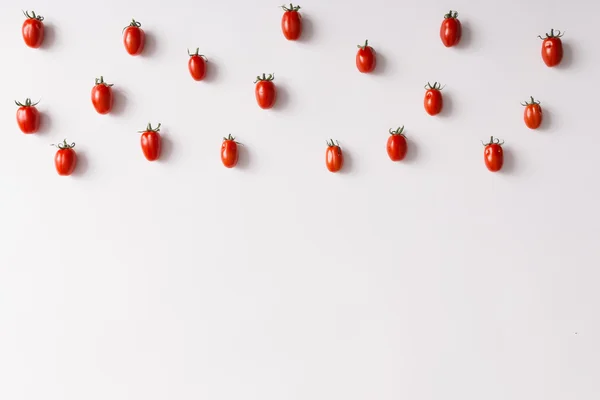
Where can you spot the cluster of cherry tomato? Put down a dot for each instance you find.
(28, 117)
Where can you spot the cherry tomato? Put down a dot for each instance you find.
(28, 117)
(533, 114)
(433, 98)
(334, 159)
(552, 49)
(102, 96)
(397, 145)
(493, 154)
(150, 141)
(229, 152)
(265, 91)
(291, 22)
(451, 29)
(134, 38)
(65, 158)
(366, 59)
(197, 65)
(33, 30)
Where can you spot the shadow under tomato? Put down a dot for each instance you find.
(49, 36)
(567, 60)
(282, 100)
(381, 66)
(82, 166)
(119, 102)
(150, 45)
(166, 148)
(509, 166)
(546, 124)
(45, 124)
(448, 106)
(308, 29)
(243, 157)
(412, 152)
(213, 72)
(466, 36)
(348, 166)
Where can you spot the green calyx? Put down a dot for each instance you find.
(451, 14)
(197, 54)
(398, 131)
(532, 101)
(230, 139)
(265, 78)
(101, 82)
(364, 46)
(559, 34)
(27, 103)
(290, 8)
(64, 145)
(332, 143)
(150, 129)
(436, 86)
(493, 141)
(33, 16)
(133, 24)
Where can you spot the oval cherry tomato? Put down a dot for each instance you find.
(265, 91)
(33, 30)
(229, 152)
(533, 114)
(197, 65)
(451, 29)
(102, 96)
(397, 145)
(433, 98)
(493, 155)
(150, 141)
(65, 158)
(291, 22)
(366, 59)
(28, 117)
(134, 38)
(334, 158)
(552, 49)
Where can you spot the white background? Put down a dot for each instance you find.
(426, 279)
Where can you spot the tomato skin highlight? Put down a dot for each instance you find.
(265, 91)
(291, 23)
(334, 158)
(397, 145)
(229, 152)
(451, 29)
(366, 58)
(65, 158)
(533, 114)
(28, 117)
(102, 96)
(493, 155)
(433, 101)
(33, 30)
(134, 38)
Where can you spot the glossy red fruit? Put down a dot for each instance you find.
(451, 30)
(493, 154)
(552, 48)
(334, 158)
(134, 38)
(366, 59)
(433, 98)
(265, 91)
(397, 145)
(533, 114)
(65, 158)
(33, 30)
(150, 142)
(102, 96)
(229, 152)
(28, 117)
(197, 65)
(291, 22)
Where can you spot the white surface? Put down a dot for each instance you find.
(427, 279)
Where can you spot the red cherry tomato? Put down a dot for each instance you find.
(33, 30)
(552, 49)
(366, 59)
(28, 117)
(102, 96)
(134, 38)
(265, 91)
(433, 98)
(493, 155)
(451, 29)
(291, 22)
(65, 158)
(150, 141)
(533, 114)
(197, 65)
(334, 158)
(397, 145)
(229, 152)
